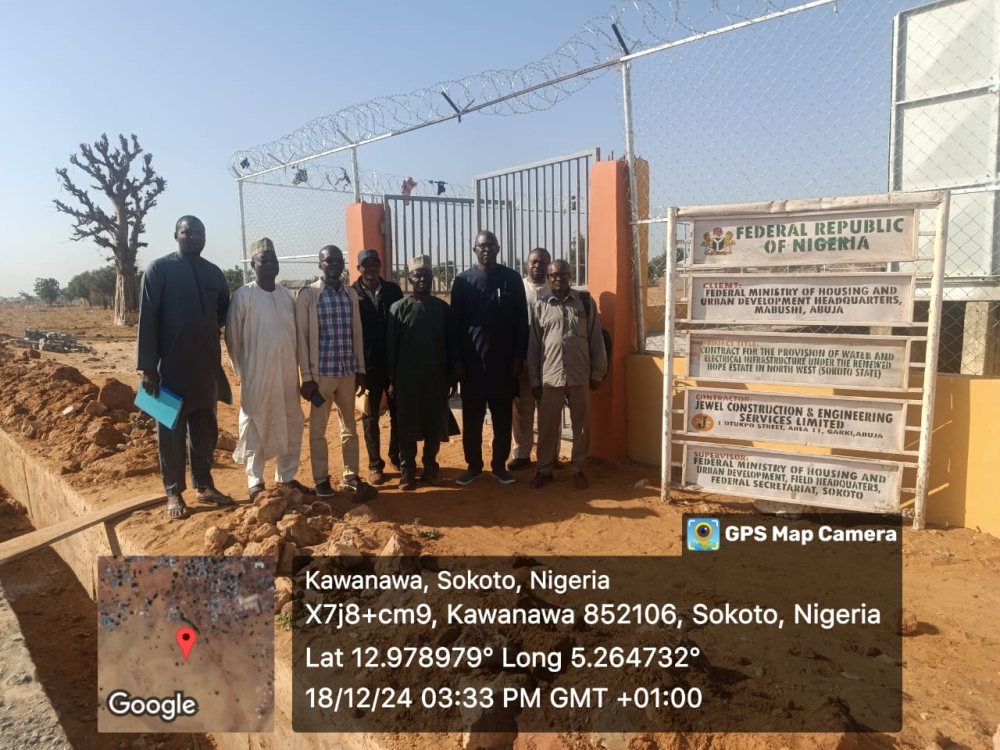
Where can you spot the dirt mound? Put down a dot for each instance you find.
(284, 524)
(116, 395)
(51, 404)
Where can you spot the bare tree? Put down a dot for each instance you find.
(119, 231)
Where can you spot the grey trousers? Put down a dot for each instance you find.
(194, 438)
(550, 426)
(524, 419)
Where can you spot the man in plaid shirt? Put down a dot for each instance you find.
(332, 360)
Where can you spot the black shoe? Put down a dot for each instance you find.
(503, 476)
(324, 489)
(407, 482)
(468, 477)
(558, 465)
(539, 481)
(363, 492)
(520, 463)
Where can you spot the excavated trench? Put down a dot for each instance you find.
(47, 500)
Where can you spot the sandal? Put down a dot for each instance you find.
(211, 496)
(176, 509)
(255, 491)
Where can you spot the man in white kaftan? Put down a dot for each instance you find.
(260, 337)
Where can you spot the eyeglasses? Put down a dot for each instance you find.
(562, 275)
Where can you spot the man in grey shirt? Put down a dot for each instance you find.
(566, 355)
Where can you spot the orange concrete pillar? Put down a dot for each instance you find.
(609, 277)
(364, 230)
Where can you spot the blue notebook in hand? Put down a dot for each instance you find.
(164, 408)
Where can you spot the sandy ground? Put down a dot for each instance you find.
(951, 576)
(58, 621)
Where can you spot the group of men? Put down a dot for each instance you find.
(511, 345)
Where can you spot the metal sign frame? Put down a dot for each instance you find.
(939, 201)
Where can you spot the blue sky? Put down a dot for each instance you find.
(198, 81)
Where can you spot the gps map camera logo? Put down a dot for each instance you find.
(703, 534)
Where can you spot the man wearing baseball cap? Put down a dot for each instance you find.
(376, 296)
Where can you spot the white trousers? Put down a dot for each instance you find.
(286, 467)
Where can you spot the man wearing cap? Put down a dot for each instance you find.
(182, 307)
(420, 374)
(332, 361)
(260, 337)
(376, 296)
(536, 287)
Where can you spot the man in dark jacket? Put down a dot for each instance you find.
(182, 309)
(376, 296)
(489, 322)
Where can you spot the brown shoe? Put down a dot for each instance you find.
(539, 481)
(377, 477)
(434, 480)
(211, 496)
(580, 481)
(407, 483)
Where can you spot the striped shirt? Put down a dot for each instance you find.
(336, 344)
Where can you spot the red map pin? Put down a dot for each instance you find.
(186, 638)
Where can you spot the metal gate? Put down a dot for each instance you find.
(544, 204)
(441, 227)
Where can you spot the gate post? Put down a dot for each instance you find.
(364, 230)
(609, 273)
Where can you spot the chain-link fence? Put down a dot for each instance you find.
(723, 102)
(835, 100)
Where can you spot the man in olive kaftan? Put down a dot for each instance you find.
(420, 374)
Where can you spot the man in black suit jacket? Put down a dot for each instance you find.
(376, 296)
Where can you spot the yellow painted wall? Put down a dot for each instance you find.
(965, 451)
(965, 448)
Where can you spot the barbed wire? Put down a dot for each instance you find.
(338, 178)
(537, 86)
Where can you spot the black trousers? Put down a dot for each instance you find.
(195, 437)
(473, 414)
(408, 456)
(369, 423)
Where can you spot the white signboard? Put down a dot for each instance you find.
(798, 359)
(807, 479)
(832, 421)
(835, 237)
(801, 299)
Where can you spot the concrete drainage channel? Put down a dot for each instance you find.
(50, 500)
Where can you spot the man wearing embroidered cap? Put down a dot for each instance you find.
(260, 337)
(420, 374)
